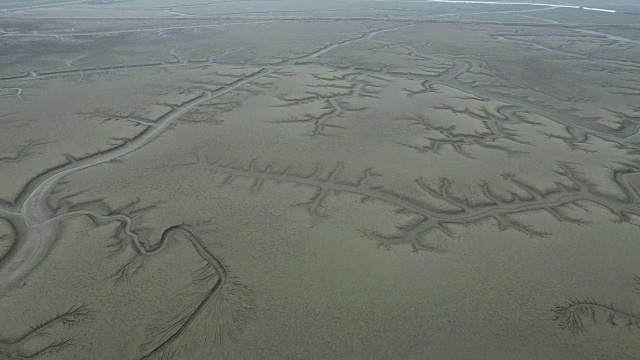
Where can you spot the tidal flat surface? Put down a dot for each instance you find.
(319, 180)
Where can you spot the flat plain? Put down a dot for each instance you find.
(319, 180)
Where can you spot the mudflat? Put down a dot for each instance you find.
(326, 180)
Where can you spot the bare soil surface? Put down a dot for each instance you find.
(330, 180)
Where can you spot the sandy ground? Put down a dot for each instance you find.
(318, 188)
